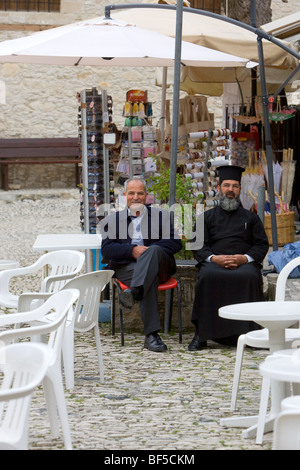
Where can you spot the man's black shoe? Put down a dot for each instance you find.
(196, 344)
(126, 298)
(153, 342)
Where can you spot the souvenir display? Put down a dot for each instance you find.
(138, 137)
(207, 150)
(96, 118)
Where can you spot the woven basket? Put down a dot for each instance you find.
(285, 228)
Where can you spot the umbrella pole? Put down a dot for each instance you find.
(268, 142)
(176, 94)
(163, 108)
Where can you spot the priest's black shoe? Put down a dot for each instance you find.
(196, 344)
(153, 342)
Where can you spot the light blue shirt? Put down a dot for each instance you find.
(137, 238)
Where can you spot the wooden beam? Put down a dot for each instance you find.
(25, 27)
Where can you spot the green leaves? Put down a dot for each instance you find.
(160, 186)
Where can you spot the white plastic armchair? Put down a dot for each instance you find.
(52, 317)
(286, 434)
(60, 267)
(83, 318)
(23, 367)
(260, 338)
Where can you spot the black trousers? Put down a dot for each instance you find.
(152, 268)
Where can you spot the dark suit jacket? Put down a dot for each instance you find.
(116, 232)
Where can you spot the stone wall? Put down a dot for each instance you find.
(40, 176)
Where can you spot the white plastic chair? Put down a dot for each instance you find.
(260, 338)
(84, 316)
(286, 434)
(60, 267)
(23, 366)
(282, 367)
(52, 316)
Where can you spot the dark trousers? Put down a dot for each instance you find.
(152, 268)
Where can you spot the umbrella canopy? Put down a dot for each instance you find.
(208, 32)
(108, 42)
(218, 35)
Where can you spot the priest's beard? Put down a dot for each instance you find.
(229, 204)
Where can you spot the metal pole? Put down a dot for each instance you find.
(163, 107)
(261, 203)
(253, 13)
(286, 82)
(176, 95)
(268, 142)
(253, 70)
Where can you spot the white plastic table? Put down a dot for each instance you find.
(8, 264)
(276, 316)
(71, 241)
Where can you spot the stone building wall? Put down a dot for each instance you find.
(40, 101)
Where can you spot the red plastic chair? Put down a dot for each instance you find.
(170, 284)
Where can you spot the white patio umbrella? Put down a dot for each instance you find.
(107, 43)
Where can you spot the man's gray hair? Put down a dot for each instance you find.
(135, 178)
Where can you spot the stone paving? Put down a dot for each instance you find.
(149, 401)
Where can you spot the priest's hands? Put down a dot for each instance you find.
(229, 261)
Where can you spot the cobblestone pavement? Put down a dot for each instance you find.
(155, 401)
(149, 401)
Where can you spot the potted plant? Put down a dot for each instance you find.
(159, 185)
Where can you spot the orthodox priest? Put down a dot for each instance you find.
(229, 262)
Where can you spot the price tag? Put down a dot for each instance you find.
(109, 139)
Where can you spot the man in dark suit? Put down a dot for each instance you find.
(138, 243)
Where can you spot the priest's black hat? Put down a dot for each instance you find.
(230, 172)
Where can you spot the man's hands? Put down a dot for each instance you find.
(138, 250)
(229, 261)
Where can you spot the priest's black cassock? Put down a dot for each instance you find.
(228, 233)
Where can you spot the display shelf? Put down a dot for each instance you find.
(94, 117)
(207, 150)
(138, 136)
